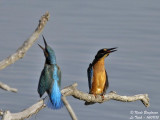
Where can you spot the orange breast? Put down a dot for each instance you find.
(99, 78)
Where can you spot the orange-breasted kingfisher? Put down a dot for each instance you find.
(97, 75)
(50, 79)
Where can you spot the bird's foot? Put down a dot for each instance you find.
(102, 97)
(95, 95)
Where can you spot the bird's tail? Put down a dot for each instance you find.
(54, 106)
(55, 101)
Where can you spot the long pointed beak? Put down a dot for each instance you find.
(41, 47)
(44, 41)
(110, 50)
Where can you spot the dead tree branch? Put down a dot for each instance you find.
(20, 53)
(7, 115)
(69, 108)
(73, 91)
(7, 88)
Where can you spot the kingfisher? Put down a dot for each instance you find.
(50, 79)
(97, 75)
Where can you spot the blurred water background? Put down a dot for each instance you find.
(76, 31)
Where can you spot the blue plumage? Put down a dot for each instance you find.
(90, 75)
(50, 79)
(55, 96)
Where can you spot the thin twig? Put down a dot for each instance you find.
(69, 108)
(7, 88)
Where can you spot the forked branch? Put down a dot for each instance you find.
(73, 91)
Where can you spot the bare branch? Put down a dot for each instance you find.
(7, 88)
(20, 53)
(73, 91)
(69, 108)
(7, 115)
(25, 113)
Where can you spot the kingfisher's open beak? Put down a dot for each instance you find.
(44, 49)
(110, 50)
(44, 43)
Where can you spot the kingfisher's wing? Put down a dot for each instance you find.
(59, 76)
(90, 75)
(45, 80)
(41, 86)
(106, 84)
